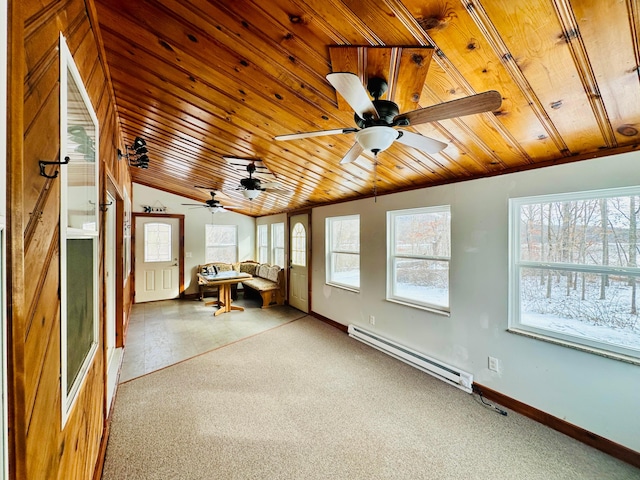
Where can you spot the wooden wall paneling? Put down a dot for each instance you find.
(15, 242)
(43, 316)
(48, 451)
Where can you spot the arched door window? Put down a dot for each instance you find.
(299, 245)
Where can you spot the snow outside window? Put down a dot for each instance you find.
(343, 251)
(574, 270)
(419, 252)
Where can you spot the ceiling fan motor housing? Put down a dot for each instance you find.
(250, 183)
(387, 111)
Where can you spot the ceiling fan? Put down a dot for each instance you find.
(377, 120)
(212, 204)
(252, 186)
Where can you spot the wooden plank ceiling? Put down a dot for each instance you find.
(202, 80)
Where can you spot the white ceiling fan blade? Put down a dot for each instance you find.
(420, 142)
(482, 102)
(270, 185)
(350, 87)
(353, 153)
(296, 136)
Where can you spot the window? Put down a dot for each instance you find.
(574, 270)
(343, 251)
(263, 245)
(157, 242)
(221, 243)
(419, 246)
(299, 245)
(277, 243)
(78, 231)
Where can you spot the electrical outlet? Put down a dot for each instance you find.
(494, 364)
(372, 320)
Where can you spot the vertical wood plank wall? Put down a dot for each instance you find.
(40, 447)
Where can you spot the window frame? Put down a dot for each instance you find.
(71, 393)
(331, 252)
(392, 257)
(207, 246)
(515, 325)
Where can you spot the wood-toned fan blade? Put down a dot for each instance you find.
(350, 87)
(420, 142)
(296, 136)
(353, 153)
(482, 102)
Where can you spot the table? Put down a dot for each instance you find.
(224, 280)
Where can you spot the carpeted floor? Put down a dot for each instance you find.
(305, 401)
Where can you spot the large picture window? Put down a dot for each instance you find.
(343, 251)
(221, 243)
(574, 270)
(419, 252)
(78, 231)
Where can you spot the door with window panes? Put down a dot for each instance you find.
(157, 247)
(299, 263)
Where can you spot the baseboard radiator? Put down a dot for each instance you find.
(444, 372)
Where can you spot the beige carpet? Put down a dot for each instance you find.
(305, 401)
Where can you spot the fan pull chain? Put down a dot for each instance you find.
(375, 177)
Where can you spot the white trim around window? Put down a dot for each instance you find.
(418, 257)
(79, 180)
(573, 270)
(342, 249)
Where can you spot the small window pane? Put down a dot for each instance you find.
(81, 170)
(299, 245)
(157, 242)
(424, 280)
(263, 247)
(345, 269)
(277, 232)
(80, 308)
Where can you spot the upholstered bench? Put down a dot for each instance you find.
(268, 281)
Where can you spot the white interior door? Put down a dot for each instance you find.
(157, 263)
(299, 263)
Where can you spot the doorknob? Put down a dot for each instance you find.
(174, 265)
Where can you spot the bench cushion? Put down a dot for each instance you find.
(260, 284)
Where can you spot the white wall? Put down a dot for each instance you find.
(596, 393)
(194, 225)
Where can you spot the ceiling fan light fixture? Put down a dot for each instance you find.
(376, 138)
(250, 194)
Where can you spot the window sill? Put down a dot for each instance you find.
(444, 313)
(576, 346)
(343, 287)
